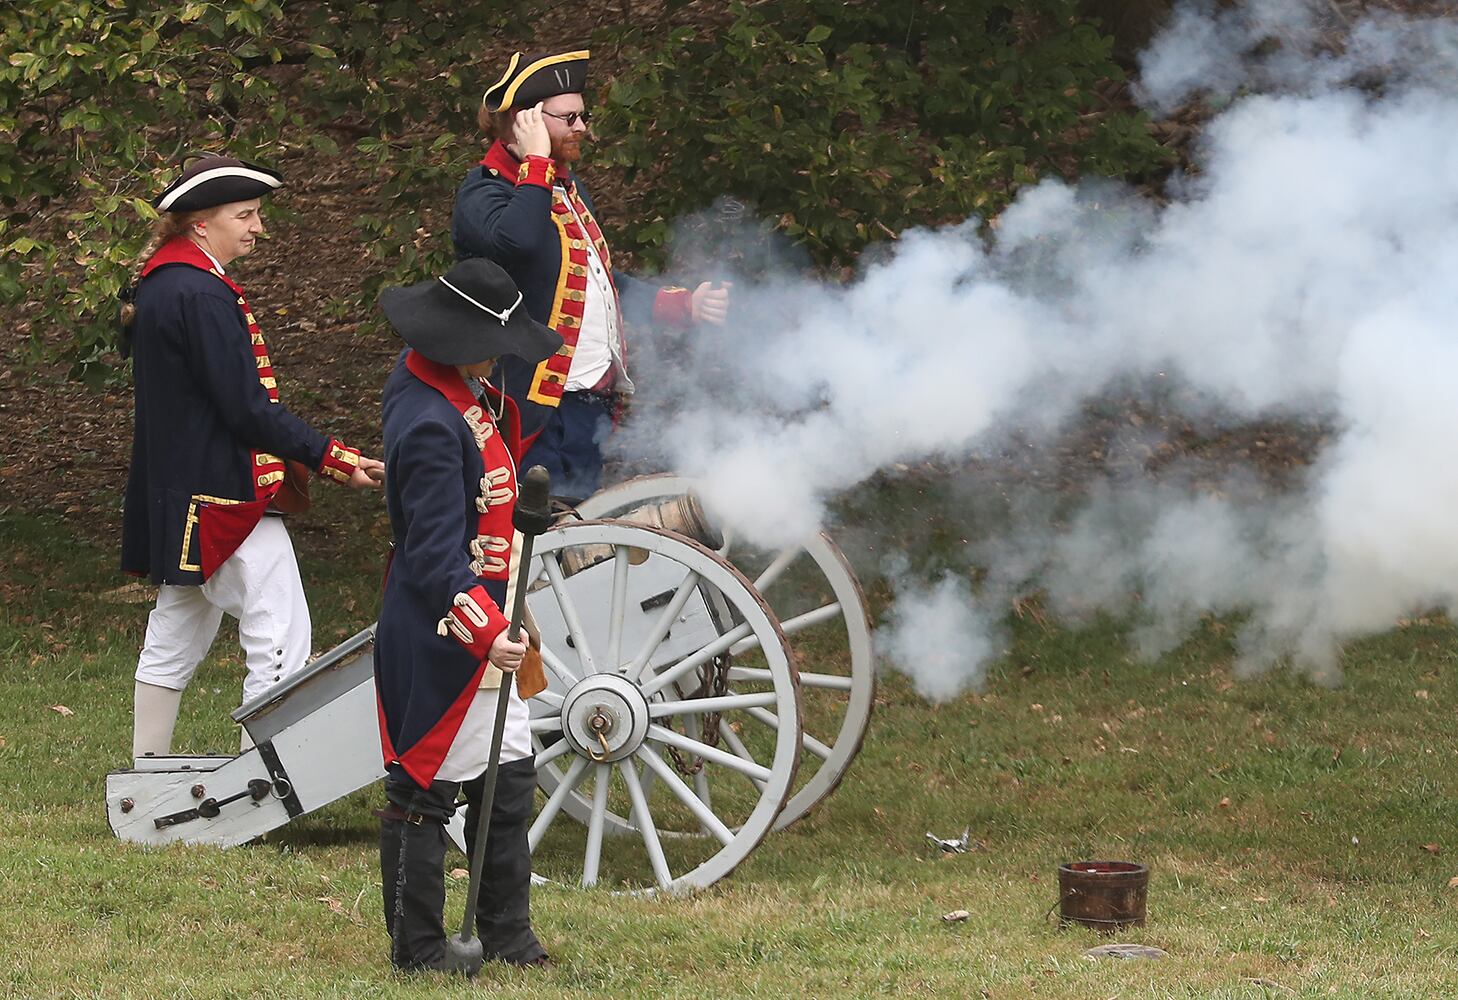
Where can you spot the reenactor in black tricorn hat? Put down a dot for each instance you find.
(524, 208)
(214, 452)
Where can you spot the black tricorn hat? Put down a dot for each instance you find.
(472, 313)
(210, 181)
(532, 78)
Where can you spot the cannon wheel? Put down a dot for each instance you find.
(833, 746)
(620, 718)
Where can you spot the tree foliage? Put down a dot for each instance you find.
(843, 122)
(99, 99)
(848, 122)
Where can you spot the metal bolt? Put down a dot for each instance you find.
(127, 805)
(198, 791)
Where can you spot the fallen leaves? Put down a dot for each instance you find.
(955, 917)
(136, 592)
(62, 711)
(1433, 849)
(460, 873)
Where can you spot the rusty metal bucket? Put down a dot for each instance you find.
(1104, 895)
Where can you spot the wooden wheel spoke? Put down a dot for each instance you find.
(695, 660)
(700, 706)
(546, 755)
(712, 754)
(828, 682)
(592, 855)
(662, 624)
(644, 819)
(694, 729)
(655, 766)
(554, 802)
(777, 567)
(809, 742)
(619, 608)
(569, 612)
(801, 622)
(736, 745)
(552, 662)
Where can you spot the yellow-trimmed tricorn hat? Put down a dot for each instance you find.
(536, 77)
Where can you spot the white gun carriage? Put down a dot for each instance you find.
(701, 693)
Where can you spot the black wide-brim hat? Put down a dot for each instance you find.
(210, 181)
(471, 313)
(536, 77)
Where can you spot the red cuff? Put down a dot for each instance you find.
(340, 461)
(538, 170)
(474, 621)
(674, 307)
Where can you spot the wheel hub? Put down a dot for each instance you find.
(605, 717)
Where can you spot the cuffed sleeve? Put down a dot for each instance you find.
(474, 621)
(537, 170)
(339, 462)
(673, 307)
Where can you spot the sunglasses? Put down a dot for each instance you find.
(572, 117)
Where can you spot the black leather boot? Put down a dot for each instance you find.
(503, 910)
(412, 869)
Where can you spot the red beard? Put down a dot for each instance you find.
(567, 150)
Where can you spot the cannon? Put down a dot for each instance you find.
(702, 693)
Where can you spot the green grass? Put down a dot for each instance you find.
(1284, 824)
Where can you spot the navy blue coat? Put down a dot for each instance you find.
(433, 471)
(203, 418)
(511, 223)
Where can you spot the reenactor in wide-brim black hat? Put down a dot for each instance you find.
(452, 450)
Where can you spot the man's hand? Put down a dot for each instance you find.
(710, 304)
(532, 137)
(506, 655)
(368, 475)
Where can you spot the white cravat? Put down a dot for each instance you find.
(210, 257)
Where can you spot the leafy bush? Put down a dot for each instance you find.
(847, 122)
(100, 98)
(843, 122)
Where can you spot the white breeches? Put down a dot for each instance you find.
(259, 585)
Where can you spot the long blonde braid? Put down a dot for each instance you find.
(168, 226)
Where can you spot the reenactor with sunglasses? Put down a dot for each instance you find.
(525, 209)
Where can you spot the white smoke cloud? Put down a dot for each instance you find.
(1308, 270)
(1213, 52)
(940, 637)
